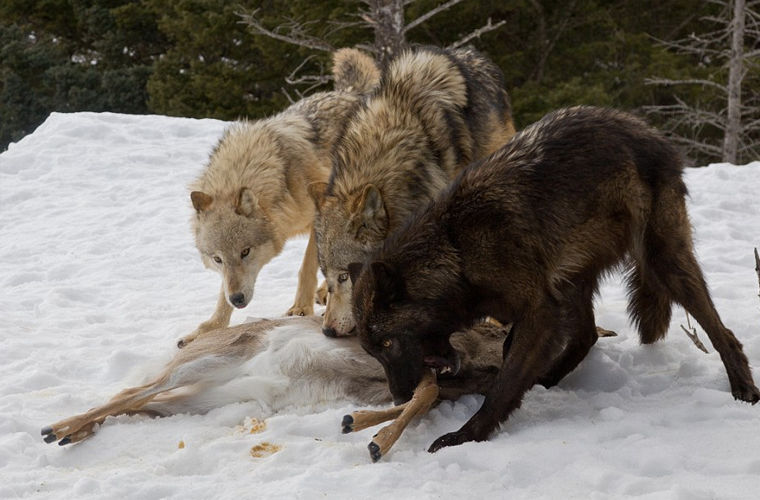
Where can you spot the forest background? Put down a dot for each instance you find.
(209, 58)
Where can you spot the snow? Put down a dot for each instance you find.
(100, 277)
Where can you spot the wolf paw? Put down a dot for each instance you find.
(204, 327)
(749, 393)
(186, 340)
(300, 311)
(320, 297)
(450, 439)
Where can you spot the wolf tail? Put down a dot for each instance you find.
(425, 80)
(663, 265)
(355, 71)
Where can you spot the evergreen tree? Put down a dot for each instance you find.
(196, 58)
(59, 55)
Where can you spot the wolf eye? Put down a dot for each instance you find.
(245, 253)
(342, 277)
(387, 343)
(217, 259)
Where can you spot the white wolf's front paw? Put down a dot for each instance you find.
(204, 327)
(297, 310)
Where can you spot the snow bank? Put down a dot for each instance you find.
(99, 277)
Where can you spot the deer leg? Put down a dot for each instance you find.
(80, 427)
(185, 369)
(363, 419)
(424, 396)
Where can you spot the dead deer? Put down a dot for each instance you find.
(336, 368)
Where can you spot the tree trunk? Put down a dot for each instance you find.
(735, 75)
(543, 41)
(387, 19)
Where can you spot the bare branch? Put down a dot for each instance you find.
(296, 34)
(424, 17)
(314, 81)
(695, 81)
(287, 96)
(752, 124)
(757, 268)
(753, 149)
(366, 48)
(697, 45)
(692, 334)
(690, 115)
(751, 13)
(684, 23)
(475, 34)
(697, 145)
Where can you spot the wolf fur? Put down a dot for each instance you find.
(434, 112)
(524, 236)
(278, 363)
(253, 196)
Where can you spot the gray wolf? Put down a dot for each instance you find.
(253, 196)
(297, 366)
(524, 236)
(434, 112)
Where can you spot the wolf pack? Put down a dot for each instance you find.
(451, 245)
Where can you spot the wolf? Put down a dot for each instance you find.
(434, 112)
(253, 196)
(278, 362)
(524, 236)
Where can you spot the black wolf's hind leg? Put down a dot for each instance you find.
(669, 243)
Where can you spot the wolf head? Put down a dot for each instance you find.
(235, 238)
(406, 332)
(348, 228)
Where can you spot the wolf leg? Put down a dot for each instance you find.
(220, 319)
(307, 280)
(532, 348)
(577, 328)
(670, 258)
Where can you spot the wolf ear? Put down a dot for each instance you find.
(372, 209)
(354, 270)
(201, 201)
(317, 192)
(389, 286)
(246, 202)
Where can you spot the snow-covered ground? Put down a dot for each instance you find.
(99, 277)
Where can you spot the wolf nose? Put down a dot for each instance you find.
(329, 332)
(238, 300)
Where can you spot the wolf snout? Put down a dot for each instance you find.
(238, 300)
(332, 332)
(329, 332)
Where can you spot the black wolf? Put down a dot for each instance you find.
(524, 236)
